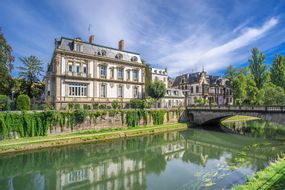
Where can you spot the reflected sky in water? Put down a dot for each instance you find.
(190, 159)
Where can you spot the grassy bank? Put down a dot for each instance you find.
(237, 118)
(29, 143)
(272, 177)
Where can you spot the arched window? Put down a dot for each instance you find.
(134, 59)
(119, 56)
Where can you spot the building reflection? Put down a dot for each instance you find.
(122, 164)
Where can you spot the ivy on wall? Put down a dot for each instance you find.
(29, 124)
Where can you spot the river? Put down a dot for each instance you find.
(189, 159)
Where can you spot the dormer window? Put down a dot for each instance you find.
(134, 59)
(77, 47)
(119, 56)
(102, 52)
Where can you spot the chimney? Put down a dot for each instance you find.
(92, 39)
(121, 45)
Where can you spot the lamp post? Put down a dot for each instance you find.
(13, 92)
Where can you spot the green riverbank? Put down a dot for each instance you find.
(272, 177)
(239, 118)
(30, 143)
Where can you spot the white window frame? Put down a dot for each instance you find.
(120, 91)
(103, 91)
(103, 74)
(121, 71)
(77, 89)
(135, 73)
(136, 92)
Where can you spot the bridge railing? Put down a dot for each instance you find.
(241, 108)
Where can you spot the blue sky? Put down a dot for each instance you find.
(182, 35)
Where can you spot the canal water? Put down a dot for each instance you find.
(190, 159)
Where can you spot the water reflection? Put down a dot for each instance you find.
(192, 159)
(258, 128)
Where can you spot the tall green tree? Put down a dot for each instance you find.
(252, 90)
(31, 71)
(239, 86)
(274, 95)
(6, 65)
(231, 73)
(157, 89)
(6, 57)
(257, 67)
(277, 71)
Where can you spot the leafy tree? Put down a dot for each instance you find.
(23, 102)
(31, 71)
(277, 71)
(6, 60)
(6, 57)
(239, 86)
(252, 90)
(231, 73)
(157, 89)
(273, 95)
(257, 67)
(5, 103)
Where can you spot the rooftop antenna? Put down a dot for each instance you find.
(203, 68)
(89, 28)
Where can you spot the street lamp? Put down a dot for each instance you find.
(13, 92)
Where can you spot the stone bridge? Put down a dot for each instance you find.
(207, 115)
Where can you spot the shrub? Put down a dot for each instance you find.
(5, 103)
(86, 107)
(80, 116)
(23, 102)
(137, 104)
(77, 106)
(95, 106)
(102, 106)
(70, 105)
(115, 104)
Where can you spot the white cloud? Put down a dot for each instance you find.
(214, 54)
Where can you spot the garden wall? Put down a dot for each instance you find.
(29, 124)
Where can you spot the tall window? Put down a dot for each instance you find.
(77, 89)
(128, 75)
(78, 47)
(120, 91)
(103, 71)
(197, 89)
(70, 67)
(77, 69)
(103, 91)
(84, 69)
(135, 75)
(112, 73)
(192, 89)
(136, 92)
(120, 73)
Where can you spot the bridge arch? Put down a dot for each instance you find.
(213, 115)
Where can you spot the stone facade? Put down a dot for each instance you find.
(200, 85)
(84, 73)
(174, 97)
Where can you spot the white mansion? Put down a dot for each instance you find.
(85, 73)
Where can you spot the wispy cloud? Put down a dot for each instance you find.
(181, 36)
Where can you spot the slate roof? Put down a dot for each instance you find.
(92, 49)
(192, 78)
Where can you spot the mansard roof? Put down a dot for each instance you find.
(94, 49)
(192, 78)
